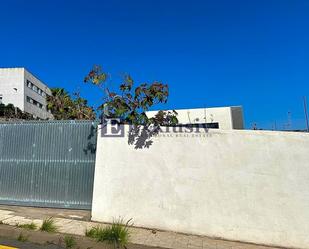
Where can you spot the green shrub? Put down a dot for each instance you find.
(31, 226)
(22, 238)
(70, 241)
(116, 234)
(93, 232)
(49, 225)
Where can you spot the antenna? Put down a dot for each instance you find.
(289, 124)
(189, 117)
(273, 126)
(306, 113)
(205, 117)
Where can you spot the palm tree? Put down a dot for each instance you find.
(59, 103)
(62, 106)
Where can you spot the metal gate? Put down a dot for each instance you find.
(47, 163)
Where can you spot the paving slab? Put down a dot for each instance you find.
(5, 216)
(75, 227)
(5, 212)
(15, 220)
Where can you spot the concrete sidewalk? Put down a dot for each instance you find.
(76, 222)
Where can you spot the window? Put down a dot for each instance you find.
(42, 93)
(203, 125)
(34, 102)
(39, 105)
(34, 88)
(29, 100)
(29, 84)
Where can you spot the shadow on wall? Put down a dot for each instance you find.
(91, 145)
(141, 136)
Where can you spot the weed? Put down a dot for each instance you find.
(116, 234)
(31, 226)
(49, 225)
(22, 238)
(69, 241)
(93, 232)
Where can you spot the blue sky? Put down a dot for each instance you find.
(211, 53)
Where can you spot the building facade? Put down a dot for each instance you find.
(25, 91)
(225, 118)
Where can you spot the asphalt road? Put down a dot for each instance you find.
(24, 245)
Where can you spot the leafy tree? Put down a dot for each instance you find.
(81, 109)
(63, 106)
(10, 112)
(129, 103)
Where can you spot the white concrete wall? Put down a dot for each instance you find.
(240, 185)
(11, 78)
(227, 117)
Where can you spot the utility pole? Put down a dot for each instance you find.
(306, 113)
(289, 124)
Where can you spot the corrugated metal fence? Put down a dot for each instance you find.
(47, 163)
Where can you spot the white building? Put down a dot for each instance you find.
(225, 118)
(22, 89)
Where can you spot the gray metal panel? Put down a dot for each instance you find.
(47, 163)
(237, 117)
